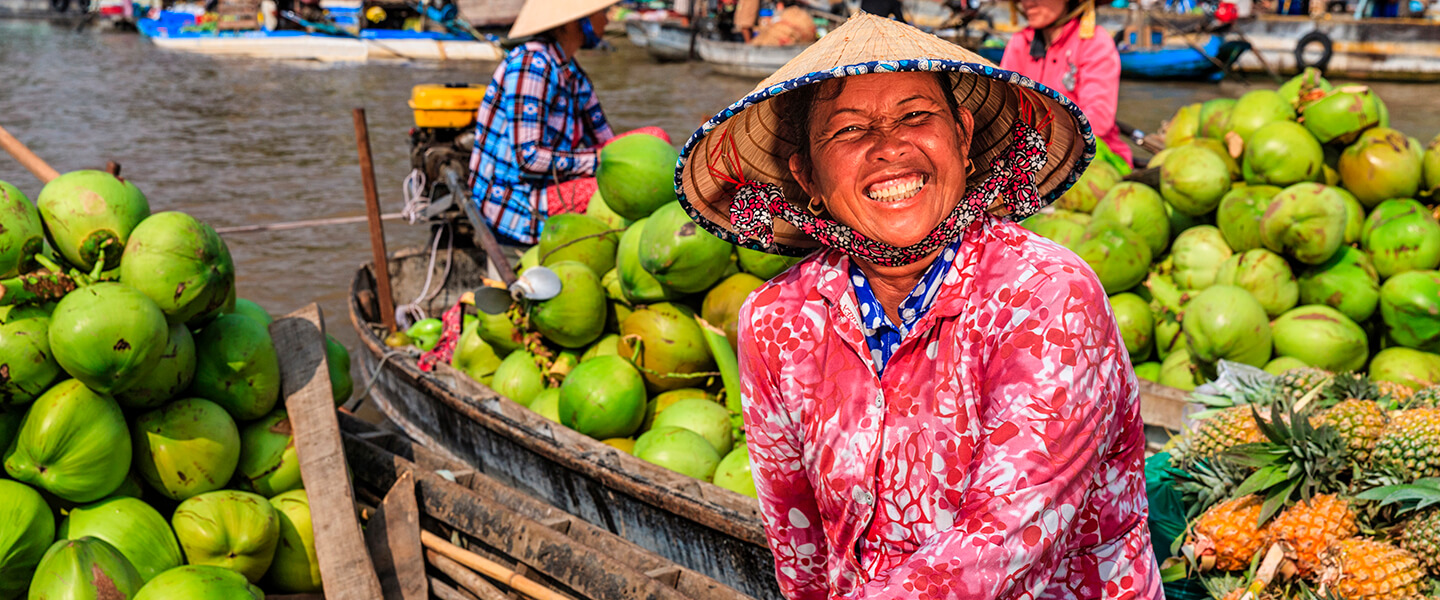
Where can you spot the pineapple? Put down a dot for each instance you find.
(1295, 383)
(1409, 447)
(1230, 533)
(1394, 394)
(1425, 398)
(1222, 431)
(1308, 527)
(1357, 569)
(1358, 422)
(1421, 536)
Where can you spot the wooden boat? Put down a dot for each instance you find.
(489, 13)
(698, 525)
(370, 45)
(665, 41)
(745, 60)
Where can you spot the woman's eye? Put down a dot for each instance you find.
(847, 129)
(916, 115)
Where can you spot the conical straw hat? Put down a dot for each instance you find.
(542, 15)
(869, 44)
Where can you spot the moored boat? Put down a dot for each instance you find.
(745, 60)
(172, 31)
(1171, 61)
(665, 41)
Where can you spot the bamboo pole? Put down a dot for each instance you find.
(304, 224)
(36, 165)
(377, 229)
(489, 568)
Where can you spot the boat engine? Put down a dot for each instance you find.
(440, 147)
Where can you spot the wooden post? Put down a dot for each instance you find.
(377, 229)
(26, 158)
(393, 535)
(345, 567)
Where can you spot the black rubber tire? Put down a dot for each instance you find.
(59, 6)
(1328, 50)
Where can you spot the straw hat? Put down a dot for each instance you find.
(750, 128)
(543, 15)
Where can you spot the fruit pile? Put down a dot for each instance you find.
(145, 452)
(637, 350)
(1289, 229)
(1332, 473)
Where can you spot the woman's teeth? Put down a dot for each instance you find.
(895, 190)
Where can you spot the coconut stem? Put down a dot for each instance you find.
(635, 362)
(545, 256)
(27, 289)
(725, 361)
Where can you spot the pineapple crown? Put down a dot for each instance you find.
(1298, 460)
(1346, 386)
(1421, 494)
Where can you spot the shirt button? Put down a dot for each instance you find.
(879, 399)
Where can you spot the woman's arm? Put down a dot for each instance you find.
(595, 116)
(787, 500)
(534, 79)
(1051, 395)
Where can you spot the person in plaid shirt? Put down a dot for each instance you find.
(540, 128)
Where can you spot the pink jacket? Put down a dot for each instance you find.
(999, 457)
(1096, 79)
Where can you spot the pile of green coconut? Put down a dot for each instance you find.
(1290, 228)
(638, 348)
(146, 455)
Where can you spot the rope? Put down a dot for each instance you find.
(407, 314)
(412, 190)
(374, 376)
(582, 238)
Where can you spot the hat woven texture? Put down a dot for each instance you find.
(537, 16)
(867, 44)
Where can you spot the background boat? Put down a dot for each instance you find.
(665, 41)
(169, 32)
(745, 60)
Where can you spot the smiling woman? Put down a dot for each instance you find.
(938, 403)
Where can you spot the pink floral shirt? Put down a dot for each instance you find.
(1000, 456)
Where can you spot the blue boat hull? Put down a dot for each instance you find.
(1161, 63)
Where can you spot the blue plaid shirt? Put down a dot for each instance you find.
(883, 336)
(540, 124)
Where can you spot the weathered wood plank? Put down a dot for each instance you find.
(393, 537)
(1162, 406)
(475, 584)
(345, 568)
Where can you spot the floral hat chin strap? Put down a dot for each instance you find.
(1012, 180)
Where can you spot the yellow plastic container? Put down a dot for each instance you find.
(446, 105)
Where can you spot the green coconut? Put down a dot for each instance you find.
(1226, 322)
(1265, 275)
(1193, 180)
(637, 284)
(1181, 222)
(1139, 208)
(519, 378)
(1239, 215)
(1401, 235)
(1303, 84)
(73, 443)
(296, 568)
(337, 364)
(236, 367)
(181, 264)
(27, 527)
(1258, 108)
(679, 450)
(1118, 255)
(1179, 371)
(579, 238)
(1347, 283)
(1197, 255)
(1282, 153)
(1215, 117)
(235, 530)
(529, 258)
(637, 175)
(132, 527)
(22, 236)
(199, 582)
(734, 473)
(499, 331)
(107, 335)
(671, 345)
(85, 568)
(603, 398)
(1305, 221)
(721, 307)
(1354, 215)
(605, 346)
(600, 210)
(679, 253)
(1405, 366)
(1321, 337)
(89, 216)
(763, 265)
(1137, 324)
(1149, 371)
(1430, 162)
(547, 404)
(268, 464)
(170, 376)
(27, 367)
(1280, 364)
(1410, 307)
(665, 400)
(1184, 126)
(1381, 165)
(576, 317)
(474, 357)
(613, 289)
(1219, 149)
(1097, 180)
(1060, 226)
(251, 309)
(188, 447)
(1342, 114)
(702, 416)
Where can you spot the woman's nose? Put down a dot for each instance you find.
(890, 144)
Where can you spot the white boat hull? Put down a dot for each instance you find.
(744, 60)
(333, 49)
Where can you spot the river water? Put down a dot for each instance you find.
(238, 142)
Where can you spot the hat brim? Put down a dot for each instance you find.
(991, 94)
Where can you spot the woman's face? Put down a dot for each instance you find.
(1042, 13)
(887, 158)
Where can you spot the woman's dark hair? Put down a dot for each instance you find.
(794, 107)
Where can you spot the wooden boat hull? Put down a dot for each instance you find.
(693, 523)
(745, 60)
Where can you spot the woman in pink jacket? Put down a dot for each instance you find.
(1062, 48)
(938, 403)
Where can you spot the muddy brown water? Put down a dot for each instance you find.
(238, 142)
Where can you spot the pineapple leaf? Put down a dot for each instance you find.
(1424, 493)
(1276, 500)
(1263, 479)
